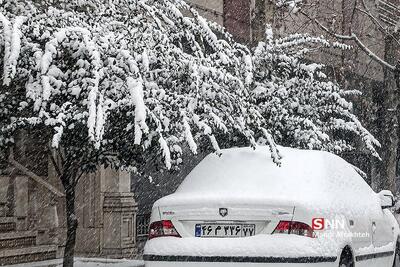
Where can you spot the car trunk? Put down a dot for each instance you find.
(225, 220)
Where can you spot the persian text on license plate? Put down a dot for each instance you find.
(224, 230)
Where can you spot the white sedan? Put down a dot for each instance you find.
(241, 209)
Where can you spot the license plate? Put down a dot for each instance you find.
(224, 230)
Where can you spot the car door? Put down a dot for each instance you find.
(382, 229)
(361, 232)
(382, 226)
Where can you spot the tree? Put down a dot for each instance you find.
(301, 106)
(118, 84)
(387, 99)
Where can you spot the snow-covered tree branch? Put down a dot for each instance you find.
(170, 75)
(302, 106)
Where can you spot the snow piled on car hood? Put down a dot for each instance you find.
(255, 246)
(313, 179)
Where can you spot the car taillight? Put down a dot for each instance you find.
(162, 228)
(295, 228)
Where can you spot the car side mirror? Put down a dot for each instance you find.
(387, 199)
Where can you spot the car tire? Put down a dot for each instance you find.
(346, 259)
(396, 262)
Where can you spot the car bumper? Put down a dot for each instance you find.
(255, 251)
(167, 261)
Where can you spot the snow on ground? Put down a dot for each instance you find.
(85, 262)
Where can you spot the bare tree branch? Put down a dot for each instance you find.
(353, 37)
(375, 21)
(60, 153)
(54, 161)
(353, 13)
(372, 54)
(78, 177)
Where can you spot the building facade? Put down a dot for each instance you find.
(32, 209)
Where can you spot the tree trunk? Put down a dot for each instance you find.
(385, 170)
(72, 224)
(258, 21)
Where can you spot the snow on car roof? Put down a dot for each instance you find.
(310, 177)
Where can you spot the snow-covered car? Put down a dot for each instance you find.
(242, 209)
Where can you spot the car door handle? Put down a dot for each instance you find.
(373, 227)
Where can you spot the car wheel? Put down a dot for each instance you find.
(346, 259)
(396, 262)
